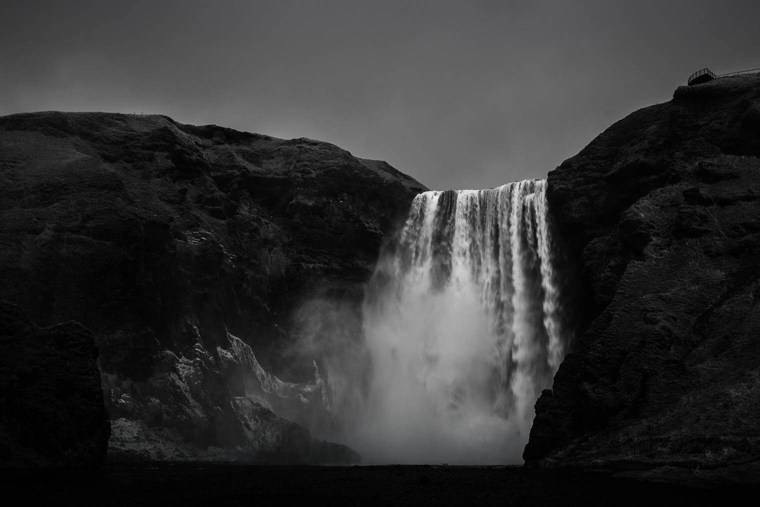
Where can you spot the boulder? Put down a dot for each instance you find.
(51, 404)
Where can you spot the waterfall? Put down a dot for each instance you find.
(462, 324)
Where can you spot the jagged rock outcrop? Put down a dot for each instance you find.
(662, 214)
(51, 404)
(185, 249)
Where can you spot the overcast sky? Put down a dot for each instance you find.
(457, 94)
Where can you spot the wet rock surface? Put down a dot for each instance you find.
(661, 213)
(185, 249)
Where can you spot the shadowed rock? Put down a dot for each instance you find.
(51, 405)
(170, 241)
(662, 214)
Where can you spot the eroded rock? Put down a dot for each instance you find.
(664, 371)
(174, 244)
(51, 405)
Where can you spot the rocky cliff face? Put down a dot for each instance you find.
(185, 249)
(661, 213)
(51, 404)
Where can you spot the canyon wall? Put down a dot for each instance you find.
(661, 214)
(51, 403)
(218, 274)
(186, 251)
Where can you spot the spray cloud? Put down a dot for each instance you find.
(461, 331)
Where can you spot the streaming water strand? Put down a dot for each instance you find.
(462, 323)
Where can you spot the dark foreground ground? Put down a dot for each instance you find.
(220, 485)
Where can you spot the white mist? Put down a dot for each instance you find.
(461, 324)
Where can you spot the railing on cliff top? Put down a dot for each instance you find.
(701, 76)
(705, 74)
(745, 71)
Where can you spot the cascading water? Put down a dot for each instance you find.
(462, 324)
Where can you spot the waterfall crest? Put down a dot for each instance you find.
(462, 324)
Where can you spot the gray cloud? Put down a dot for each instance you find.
(457, 94)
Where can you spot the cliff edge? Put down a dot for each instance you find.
(661, 214)
(187, 251)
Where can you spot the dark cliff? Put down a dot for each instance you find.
(51, 404)
(661, 213)
(185, 249)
